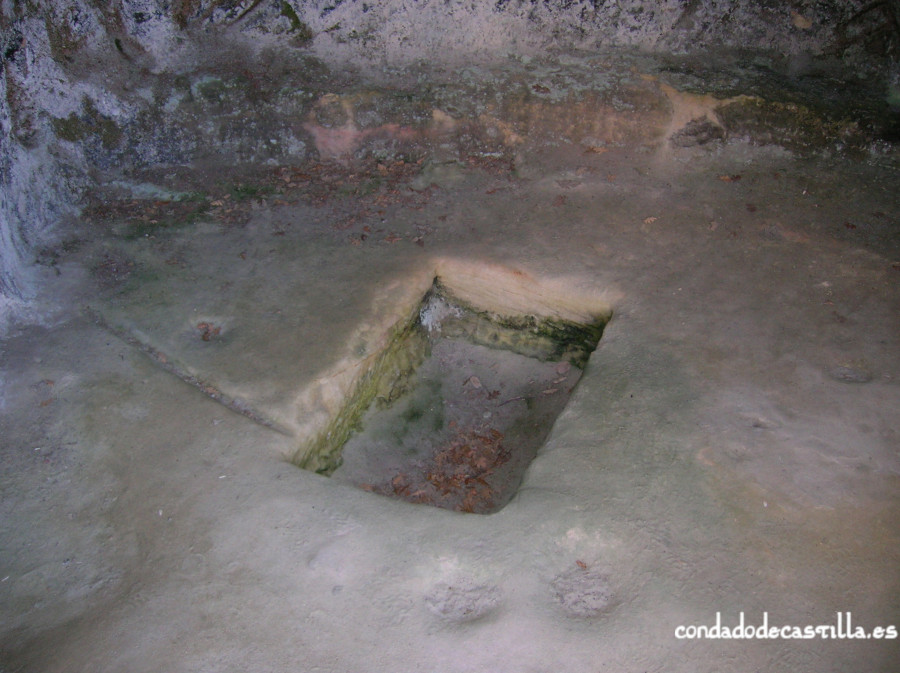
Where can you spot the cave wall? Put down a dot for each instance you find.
(89, 87)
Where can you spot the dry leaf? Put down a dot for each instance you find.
(208, 330)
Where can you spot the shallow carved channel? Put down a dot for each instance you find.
(452, 411)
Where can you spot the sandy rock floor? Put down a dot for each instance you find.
(732, 446)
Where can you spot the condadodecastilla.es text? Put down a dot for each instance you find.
(841, 628)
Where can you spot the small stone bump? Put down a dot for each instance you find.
(462, 601)
(582, 592)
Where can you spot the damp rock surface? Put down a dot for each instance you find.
(463, 436)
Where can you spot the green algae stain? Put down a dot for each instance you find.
(69, 128)
(90, 123)
(246, 191)
(390, 373)
(387, 377)
(64, 42)
(302, 33)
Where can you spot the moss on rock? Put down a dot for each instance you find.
(300, 31)
(386, 377)
(90, 123)
(389, 373)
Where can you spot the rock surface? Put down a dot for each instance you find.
(90, 90)
(731, 447)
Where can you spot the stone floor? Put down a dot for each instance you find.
(731, 448)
